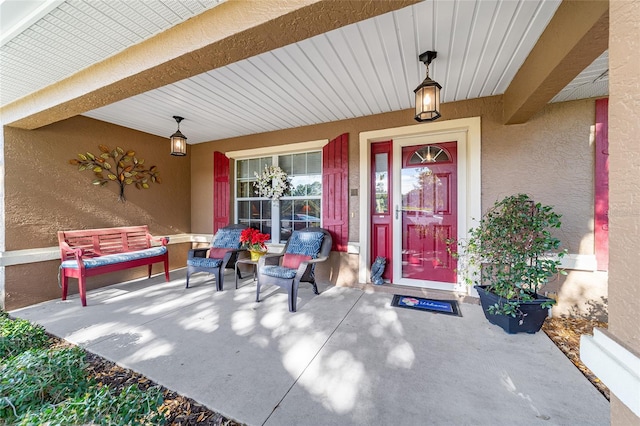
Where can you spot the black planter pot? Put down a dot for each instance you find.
(531, 320)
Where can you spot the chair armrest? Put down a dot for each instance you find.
(270, 259)
(230, 253)
(317, 260)
(198, 252)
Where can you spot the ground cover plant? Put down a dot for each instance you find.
(40, 384)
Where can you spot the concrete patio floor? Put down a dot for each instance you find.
(345, 358)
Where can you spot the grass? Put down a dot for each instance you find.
(44, 385)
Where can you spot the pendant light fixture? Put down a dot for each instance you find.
(428, 93)
(178, 140)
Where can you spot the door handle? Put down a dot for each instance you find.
(397, 210)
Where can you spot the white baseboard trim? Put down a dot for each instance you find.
(615, 365)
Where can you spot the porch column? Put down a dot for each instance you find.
(2, 244)
(614, 355)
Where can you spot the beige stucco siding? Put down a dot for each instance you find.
(550, 157)
(624, 128)
(45, 194)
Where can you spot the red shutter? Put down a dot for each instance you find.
(221, 191)
(335, 188)
(601, 177)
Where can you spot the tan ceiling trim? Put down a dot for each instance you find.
(577, 34)
(228, 33)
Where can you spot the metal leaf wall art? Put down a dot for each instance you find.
(119, 166)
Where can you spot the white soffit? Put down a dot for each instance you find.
(75, 35)
(362, 69)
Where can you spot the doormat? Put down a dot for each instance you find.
(448, 307)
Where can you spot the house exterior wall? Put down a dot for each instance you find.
(550, 157)
(624, 192)
(45, 194)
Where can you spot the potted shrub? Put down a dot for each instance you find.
(508, 257)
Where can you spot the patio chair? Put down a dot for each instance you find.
(222, 254)
(304, 249)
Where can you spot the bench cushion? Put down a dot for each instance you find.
(109, 259)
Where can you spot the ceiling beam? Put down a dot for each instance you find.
(576, 35)
(230, 32)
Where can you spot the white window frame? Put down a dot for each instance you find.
(274, 151)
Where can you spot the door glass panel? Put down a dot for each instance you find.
(428, 219)
(382, 183)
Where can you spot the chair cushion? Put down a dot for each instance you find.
(227, 238)
(278, 271)
(204, 262)
(306, 243)
(292, 260)
(109, 259)
(217, 253)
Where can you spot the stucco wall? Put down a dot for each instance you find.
(550, 157)
(624, 166)
(44, 194)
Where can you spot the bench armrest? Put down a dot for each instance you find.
(66, 248)
(162, 240)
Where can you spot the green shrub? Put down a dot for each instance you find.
(18, 335)
(99, 406)
(39, 376)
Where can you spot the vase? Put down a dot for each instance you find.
(531, 320)
(256, 254)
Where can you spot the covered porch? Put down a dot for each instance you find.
(346, 358)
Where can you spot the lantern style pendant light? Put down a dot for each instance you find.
(428, 93)
(178, 140)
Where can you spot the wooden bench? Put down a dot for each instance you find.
(89, 252)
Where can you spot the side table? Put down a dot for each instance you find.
(246, 261)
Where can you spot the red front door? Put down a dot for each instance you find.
(428, 207)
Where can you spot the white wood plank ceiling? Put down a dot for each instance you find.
(362, 69)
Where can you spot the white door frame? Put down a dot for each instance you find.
(467, 132)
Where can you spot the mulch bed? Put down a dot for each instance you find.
(182, 411)
(177, 409)
(565, 333)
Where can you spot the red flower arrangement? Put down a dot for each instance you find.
(254, 240)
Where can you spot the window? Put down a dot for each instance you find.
(299, 210)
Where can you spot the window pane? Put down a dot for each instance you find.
(284, 161)
(382, 183)
(243, 189)
(254, 166)
(300, 164)
(314, 163)
(242, 168)
(305, 213)
(243, 210)
(286, 209)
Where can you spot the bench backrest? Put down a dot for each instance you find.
(100, 242)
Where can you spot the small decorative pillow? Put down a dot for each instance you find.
(291, 260)
(217, 253)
